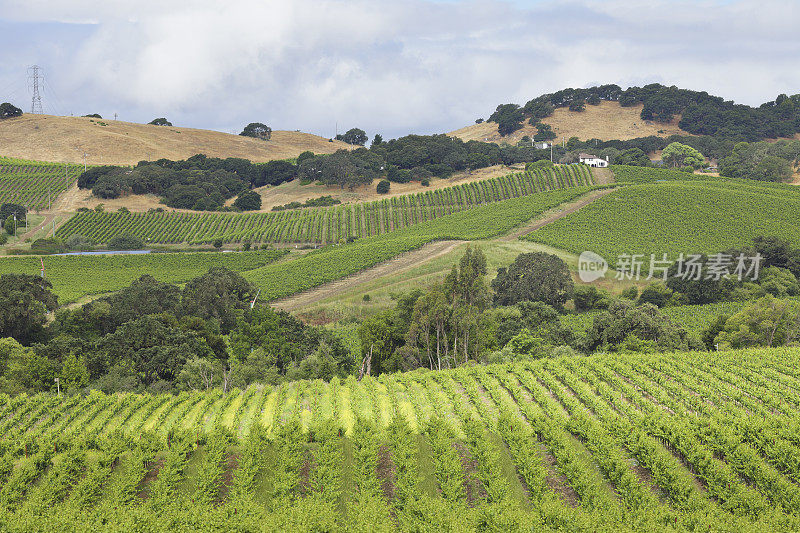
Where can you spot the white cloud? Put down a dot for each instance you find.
(397, 67)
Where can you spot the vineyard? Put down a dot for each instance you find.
(677, 217)
(34, 183)
(337, 261)
(630, 174)
(76, 276)
(604, 443)
(322, 225)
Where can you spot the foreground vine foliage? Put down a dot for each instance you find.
(666, 442)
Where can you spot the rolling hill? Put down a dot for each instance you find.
(65, 139)
(605, 121)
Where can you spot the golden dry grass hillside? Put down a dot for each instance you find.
(605, 121)
(65, 139)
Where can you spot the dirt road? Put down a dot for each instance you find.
(397, 265)
(554, 214)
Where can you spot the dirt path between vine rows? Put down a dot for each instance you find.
(29, 234)
(399, 264)
(430, 251)
(556, 213)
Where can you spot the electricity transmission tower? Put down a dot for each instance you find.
(36, 99)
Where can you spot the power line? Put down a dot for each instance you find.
(36, 99)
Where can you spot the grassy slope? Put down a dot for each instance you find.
(52, 138)
(606, 121)
(76, 276)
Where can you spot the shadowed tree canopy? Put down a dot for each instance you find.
(218, 294)
(160, 122)
(25, 301)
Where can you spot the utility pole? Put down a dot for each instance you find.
(115, 116)
(36, 99)
(84, 161)
(551, 152)
(58, 385)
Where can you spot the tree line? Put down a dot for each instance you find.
(701, 113)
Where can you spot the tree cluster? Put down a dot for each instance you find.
(158, 337)
(200, 182)
(701, 113)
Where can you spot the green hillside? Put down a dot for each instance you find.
(605, 443)
(677, 217)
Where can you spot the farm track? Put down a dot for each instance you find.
(555, 214)
(397, 265)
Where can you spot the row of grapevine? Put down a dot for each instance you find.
(609, 442)
(35, 184)
(326, 224)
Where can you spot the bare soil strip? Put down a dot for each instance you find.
(556, 213)
(399, 264)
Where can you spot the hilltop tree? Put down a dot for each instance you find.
(160, 122)
(508, 118)
(257, 130)
(8, 110)
(353, 136)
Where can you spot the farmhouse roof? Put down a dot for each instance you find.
(587, 156)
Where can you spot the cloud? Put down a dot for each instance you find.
(400, 67)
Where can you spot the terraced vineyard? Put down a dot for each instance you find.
(322, 225)
(32, 183)
(603, 443)
(677, 217)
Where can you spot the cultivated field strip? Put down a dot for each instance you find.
(32, 184)
(684, 441)
(322, 225)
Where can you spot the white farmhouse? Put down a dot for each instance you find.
(593, 160)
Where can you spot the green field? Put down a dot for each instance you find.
(322, 225)
(33, 183)
(678, 442)
(677, 217)
(76, 276)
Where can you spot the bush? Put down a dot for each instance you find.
(656, 294)
(588, 297)
(218, 244)
(125, 242)
(383, 187)
(3, 239)
(160, 122)
(426, 182)
(79, 242)
(48, 246)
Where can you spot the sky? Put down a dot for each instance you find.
(389, 67)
